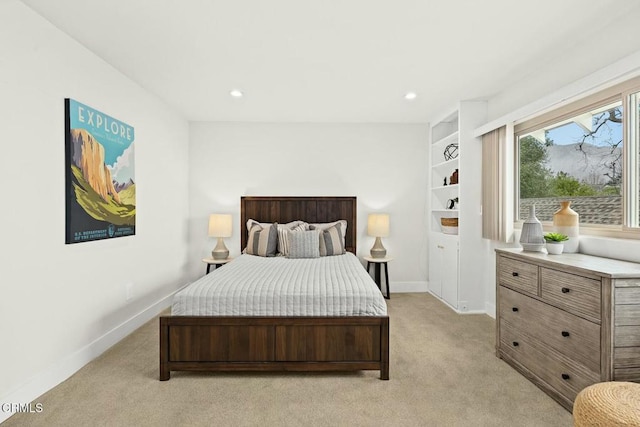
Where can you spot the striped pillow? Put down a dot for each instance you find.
(332, 241)
(283, 231)
(326, 225)
(304, 244)
(263, 240)
(252, 222)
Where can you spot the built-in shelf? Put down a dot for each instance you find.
(452, 238)
(452, 281)
(447, 139)
(448, 187)
(446, 163)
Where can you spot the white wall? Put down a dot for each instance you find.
(608, 44)
(383, 165)
(62, 304)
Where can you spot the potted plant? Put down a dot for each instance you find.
(554, 242)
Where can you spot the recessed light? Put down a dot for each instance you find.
(410, 96)
(236, 93)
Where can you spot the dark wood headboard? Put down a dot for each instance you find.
(308, 209)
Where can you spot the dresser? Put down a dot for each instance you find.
(567, 321)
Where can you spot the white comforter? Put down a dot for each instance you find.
(258, 286)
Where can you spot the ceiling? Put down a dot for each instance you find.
(343, 60)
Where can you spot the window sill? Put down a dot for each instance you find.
(612, 231)
(604, 241)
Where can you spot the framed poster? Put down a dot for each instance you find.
(100, 182)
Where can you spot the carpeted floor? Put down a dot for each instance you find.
(444, 372)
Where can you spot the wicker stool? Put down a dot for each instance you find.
(608, 404)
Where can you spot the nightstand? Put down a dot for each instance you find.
(378, 263)
(215, 262)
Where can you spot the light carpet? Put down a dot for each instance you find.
(443, 371)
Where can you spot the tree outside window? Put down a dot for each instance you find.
(578, 159)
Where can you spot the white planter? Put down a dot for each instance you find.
(554, 248)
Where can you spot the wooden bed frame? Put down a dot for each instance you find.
(212, 343)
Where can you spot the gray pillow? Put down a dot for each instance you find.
(263, 239)
(304, 244)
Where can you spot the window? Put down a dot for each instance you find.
(587, 152)
(580, 159)
(633, 160)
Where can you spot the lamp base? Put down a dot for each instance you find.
(220, 251)
(378, 251)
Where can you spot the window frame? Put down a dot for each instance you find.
(622, 93)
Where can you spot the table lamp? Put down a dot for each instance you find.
(378, 226)
(220, 227)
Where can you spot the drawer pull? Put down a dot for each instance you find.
(516, 343)
(566, 377)
(515, 274)
(515, 309)
(565, 290)
(565, 333)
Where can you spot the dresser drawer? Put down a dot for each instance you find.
(573, 336)
(576, 294)
(557, 370)
(518, 275)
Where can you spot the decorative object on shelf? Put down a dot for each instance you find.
(452, 203)
(453, 179)
(220, 227)
(378, 227)
(532, 237)
(555, 242)
(566, 221)
(451, 151)
(445, 181)
(449, 225)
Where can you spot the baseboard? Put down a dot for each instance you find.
(408, 287)
(469, 311)
(455, 309)
(491, 309)
(46, 380)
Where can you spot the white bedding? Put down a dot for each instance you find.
(278, 286)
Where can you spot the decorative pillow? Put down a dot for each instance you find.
(263, 240)
(251, 222)
(304, 244)
(283, 231)
(326, 225)
(332, 241)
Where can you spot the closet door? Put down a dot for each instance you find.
(449, 272)
(436, 256)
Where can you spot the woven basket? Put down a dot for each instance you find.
(449, 222)
(613, 403)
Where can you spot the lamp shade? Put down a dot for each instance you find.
(220, 225)
(378, 225)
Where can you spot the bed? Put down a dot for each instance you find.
(301, 340)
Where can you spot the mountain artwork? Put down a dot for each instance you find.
(100, 182)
